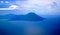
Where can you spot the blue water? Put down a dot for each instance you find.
(50, 26)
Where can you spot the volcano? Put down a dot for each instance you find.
(28, 17)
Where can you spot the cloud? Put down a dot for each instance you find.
(40, 7)
(12, 7)
(36, 5)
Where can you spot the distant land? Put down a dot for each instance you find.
(28, 17)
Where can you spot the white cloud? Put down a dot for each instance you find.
(12, 7)
(34, 4)
(41, 7)
(7, 2)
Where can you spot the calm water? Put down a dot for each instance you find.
(48, 26)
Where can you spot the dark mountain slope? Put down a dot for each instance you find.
(28, 17)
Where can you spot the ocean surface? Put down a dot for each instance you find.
(50, 26)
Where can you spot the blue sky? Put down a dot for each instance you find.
(40, 7)
(12, 0)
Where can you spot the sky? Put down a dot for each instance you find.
(42, 8)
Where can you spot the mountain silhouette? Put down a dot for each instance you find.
(9, 16)
(28, 17)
